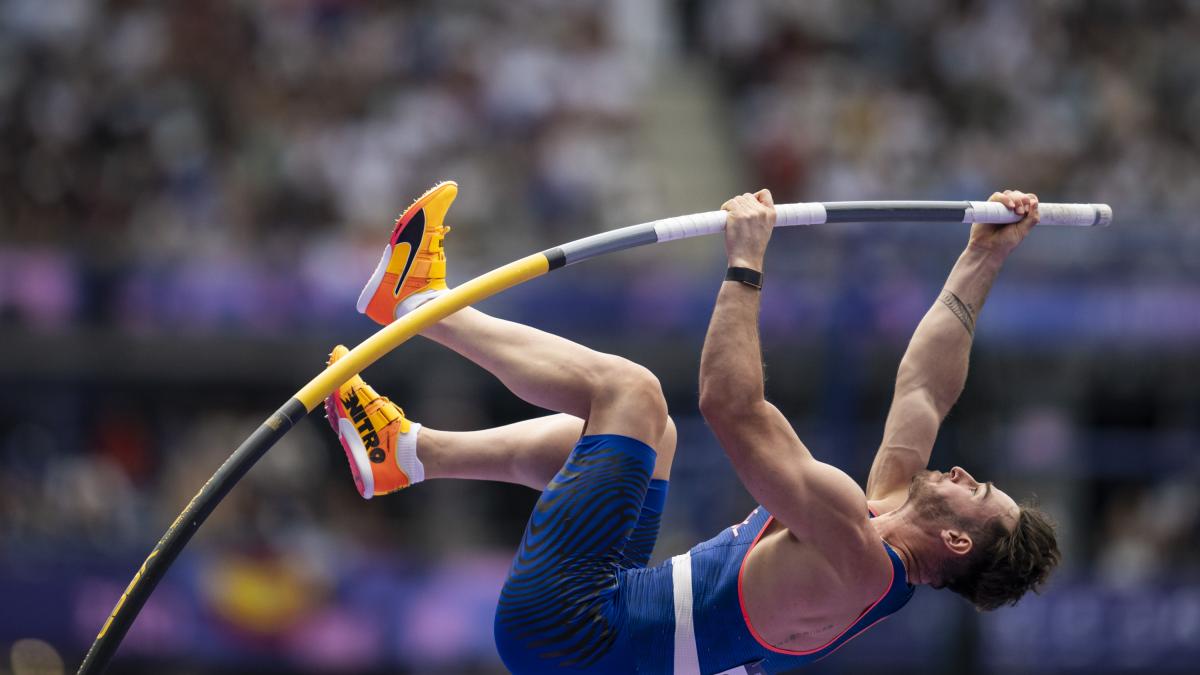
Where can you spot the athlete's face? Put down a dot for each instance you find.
(939, 494)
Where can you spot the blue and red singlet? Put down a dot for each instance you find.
(579, 598)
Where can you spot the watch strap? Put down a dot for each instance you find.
(752, 278)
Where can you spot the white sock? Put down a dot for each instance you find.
(406, 454)
(416, 300)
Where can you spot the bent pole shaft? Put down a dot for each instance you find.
(388, 338)
(253, 448)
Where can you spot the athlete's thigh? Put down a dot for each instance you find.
(645, 534)
(557, 608)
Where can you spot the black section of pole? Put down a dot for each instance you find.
(555, 257)
(895, 212)
(181, 531)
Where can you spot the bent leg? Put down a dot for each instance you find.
(614, 395)
(558, 607)
(599, 515)
(527, 453)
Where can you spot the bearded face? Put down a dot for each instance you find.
(954, 499)
(928, 501)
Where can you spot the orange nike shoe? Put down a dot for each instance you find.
(380, 443)
(413, 261)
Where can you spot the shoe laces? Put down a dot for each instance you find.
(436, 236)
(388, 402)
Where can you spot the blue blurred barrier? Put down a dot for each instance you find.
(1088, 629)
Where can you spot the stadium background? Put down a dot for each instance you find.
(191, 194)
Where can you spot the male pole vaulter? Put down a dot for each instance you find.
(816, 564)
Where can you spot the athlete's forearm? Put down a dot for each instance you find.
(731, 371)
(938, 354)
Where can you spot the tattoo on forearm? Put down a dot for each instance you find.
(960, 309)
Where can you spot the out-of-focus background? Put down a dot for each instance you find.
(191, 194)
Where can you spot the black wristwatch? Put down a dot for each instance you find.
(752, 278)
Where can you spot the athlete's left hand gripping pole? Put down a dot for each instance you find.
(280, 423)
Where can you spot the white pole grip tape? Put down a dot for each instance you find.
(1071, 215)
(694, 225)
(712, 222)
(804, 213)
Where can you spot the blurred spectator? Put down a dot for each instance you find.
(936, 99)
(187, 146)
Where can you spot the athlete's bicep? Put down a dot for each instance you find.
(809, 497)
(908, 437)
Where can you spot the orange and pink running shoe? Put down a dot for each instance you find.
(414, 263)
(380, 442)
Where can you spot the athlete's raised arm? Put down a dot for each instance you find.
(934, 368)
(810, 498)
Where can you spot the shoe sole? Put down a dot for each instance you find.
(352, 445)
(372, 287)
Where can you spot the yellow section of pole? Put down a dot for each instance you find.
(400, 330)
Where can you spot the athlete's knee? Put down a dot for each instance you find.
(666, 451)
(669, 437)
(644, 393)
(633, 393)
(625, 381)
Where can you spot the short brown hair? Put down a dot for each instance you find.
(1005, 565)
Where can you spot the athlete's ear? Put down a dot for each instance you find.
(957, 541)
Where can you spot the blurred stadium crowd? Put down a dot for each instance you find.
(933, 97)
(192, 192)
